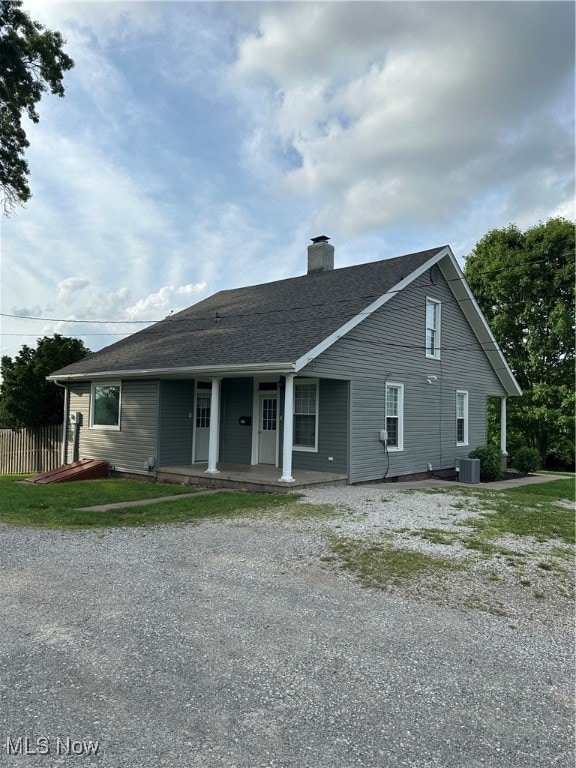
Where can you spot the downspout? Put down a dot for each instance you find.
(503, 447)
(64, 449)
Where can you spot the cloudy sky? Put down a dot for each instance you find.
(201, 144)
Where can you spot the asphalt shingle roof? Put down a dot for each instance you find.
(268, 323)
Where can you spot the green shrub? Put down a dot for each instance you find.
(490, 462)
(526, 460)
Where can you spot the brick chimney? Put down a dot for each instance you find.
(320, 255)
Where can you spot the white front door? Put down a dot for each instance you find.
(267, 429)
(202, 426)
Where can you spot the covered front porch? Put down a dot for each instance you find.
(268, 430)
(252, 477)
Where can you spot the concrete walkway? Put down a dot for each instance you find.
(146, 502)
(499, 485)
(416, 485)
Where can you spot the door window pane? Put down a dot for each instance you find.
(269, 414)
(202, 412)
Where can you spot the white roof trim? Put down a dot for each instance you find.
(179, 373)
(473, 314)
(467, 303)
(459, 288)
(344, 329)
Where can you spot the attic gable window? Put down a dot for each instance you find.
(305, 415)
(433, 308)
(105, 405)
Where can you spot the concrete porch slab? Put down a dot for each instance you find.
(250, 477)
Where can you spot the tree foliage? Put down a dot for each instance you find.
(524, 284)
(26, 398)
(490, 462)
(32, 62)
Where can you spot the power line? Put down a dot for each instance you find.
(87, 322)
(78, 335)
(260, 312)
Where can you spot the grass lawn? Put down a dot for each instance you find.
(561, 489)
(378, 563)
(530, 510)
(56, 506)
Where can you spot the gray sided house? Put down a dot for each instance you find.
(381, 369)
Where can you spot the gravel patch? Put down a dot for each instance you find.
(231, 644)
(375, 508)
(523, 579)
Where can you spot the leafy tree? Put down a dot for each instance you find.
(26, 398)
(524, 284)
(31, 62)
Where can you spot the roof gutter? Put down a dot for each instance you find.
(64, 447)
(179, 373)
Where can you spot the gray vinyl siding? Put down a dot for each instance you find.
(128, 448)
(390, 346)
(333, 421)
(176, 423)
(332, 431)
(236, 438)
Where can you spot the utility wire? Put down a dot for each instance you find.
(276, 310)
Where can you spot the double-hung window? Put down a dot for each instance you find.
(461, 417)
(433, 328)
(105, 405)
(306, 415)
(395, 416)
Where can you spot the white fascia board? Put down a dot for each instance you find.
(306, 359)
(179, 373)
(465, 299)
(479, 325)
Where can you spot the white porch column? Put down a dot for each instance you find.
(214, 428)
(64, 457)
(288, 430)
(503, 426)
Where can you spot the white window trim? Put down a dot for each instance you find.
(400, 388)
(110, 427)
(304, 448)
(438, 304)
(465, 393)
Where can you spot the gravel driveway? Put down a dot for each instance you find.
(232, 644)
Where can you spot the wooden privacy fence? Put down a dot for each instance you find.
(30, 450)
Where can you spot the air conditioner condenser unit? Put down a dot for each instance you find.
(468, 470)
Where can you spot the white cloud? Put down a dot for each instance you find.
(26, 311)
(168, 299)
(71, 285)
(412, 112)
(200, 145)
(109, 21)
